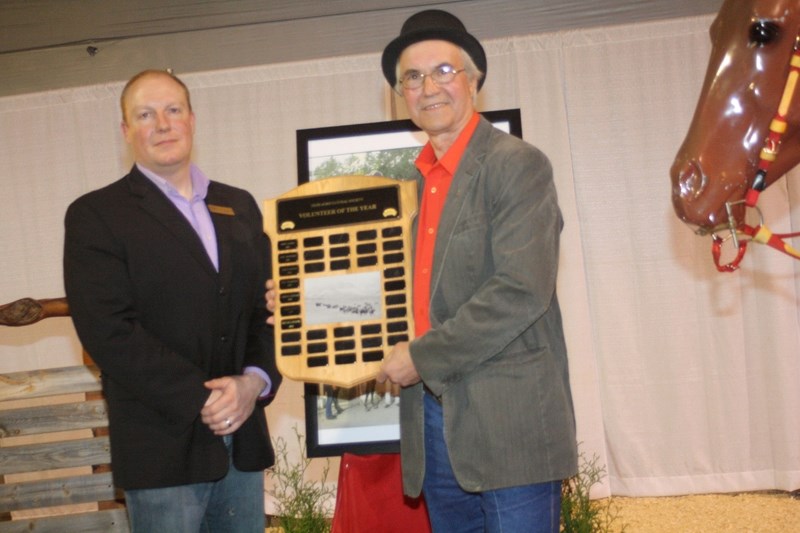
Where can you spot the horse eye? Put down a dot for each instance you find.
(763, 32)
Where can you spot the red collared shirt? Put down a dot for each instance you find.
(437, 174)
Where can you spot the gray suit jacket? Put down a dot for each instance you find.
(495, 354)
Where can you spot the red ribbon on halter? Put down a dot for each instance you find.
(760, 234)
(769, 153)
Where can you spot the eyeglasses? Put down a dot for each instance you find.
(441, 75)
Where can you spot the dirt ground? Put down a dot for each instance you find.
(769, 512)
(764, 512)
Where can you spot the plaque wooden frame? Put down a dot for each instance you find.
(341, 257)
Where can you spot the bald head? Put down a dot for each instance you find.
(123, 100)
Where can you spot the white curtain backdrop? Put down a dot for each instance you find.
(685, 380)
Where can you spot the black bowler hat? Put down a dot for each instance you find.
(432, 24)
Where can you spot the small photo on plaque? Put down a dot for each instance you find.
(344, 298)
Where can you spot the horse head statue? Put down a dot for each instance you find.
(743, 115)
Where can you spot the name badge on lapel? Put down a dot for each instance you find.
(221, 210)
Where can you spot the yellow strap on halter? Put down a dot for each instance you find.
(778, 125)
(791, 251)
(768, 155)
(763, 235)
(788, 92)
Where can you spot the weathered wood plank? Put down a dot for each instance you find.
(38, 383)
(51, 418)
(55, 454)
(109, 521)
(50, 456)
(52, 492)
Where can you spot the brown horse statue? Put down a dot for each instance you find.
(747, 119)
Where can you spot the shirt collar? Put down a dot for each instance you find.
(199, 182)
(450, 160)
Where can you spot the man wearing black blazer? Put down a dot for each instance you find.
(164, 272)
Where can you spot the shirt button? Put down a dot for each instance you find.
(433, 190)
(430, 231)
(425, 271)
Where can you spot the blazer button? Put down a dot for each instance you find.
(221, 291)
(223, 339)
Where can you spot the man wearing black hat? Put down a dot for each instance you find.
(487, 423)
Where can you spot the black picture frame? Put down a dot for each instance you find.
(379, 136)
(362, 424)
(372, 428)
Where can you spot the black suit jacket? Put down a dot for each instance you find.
(159, 320)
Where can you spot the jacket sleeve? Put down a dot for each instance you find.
(260, 350)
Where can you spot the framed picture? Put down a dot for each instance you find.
(366, 418)
(375, 148)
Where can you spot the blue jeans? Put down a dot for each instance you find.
(234, 503)
(532, 508)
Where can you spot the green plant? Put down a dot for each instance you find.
(303, 506)
(580, 514)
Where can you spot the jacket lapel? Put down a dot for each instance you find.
(154, 203)
(222, 215)
(463, 181)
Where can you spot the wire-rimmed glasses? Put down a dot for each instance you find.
(441, 75)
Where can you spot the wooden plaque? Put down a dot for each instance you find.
(341, 259)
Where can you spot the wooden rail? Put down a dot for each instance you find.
(29, 311)
(55, 457)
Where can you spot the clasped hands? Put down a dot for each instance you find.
(231, 402)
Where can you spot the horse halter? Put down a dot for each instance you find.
(760, 233)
